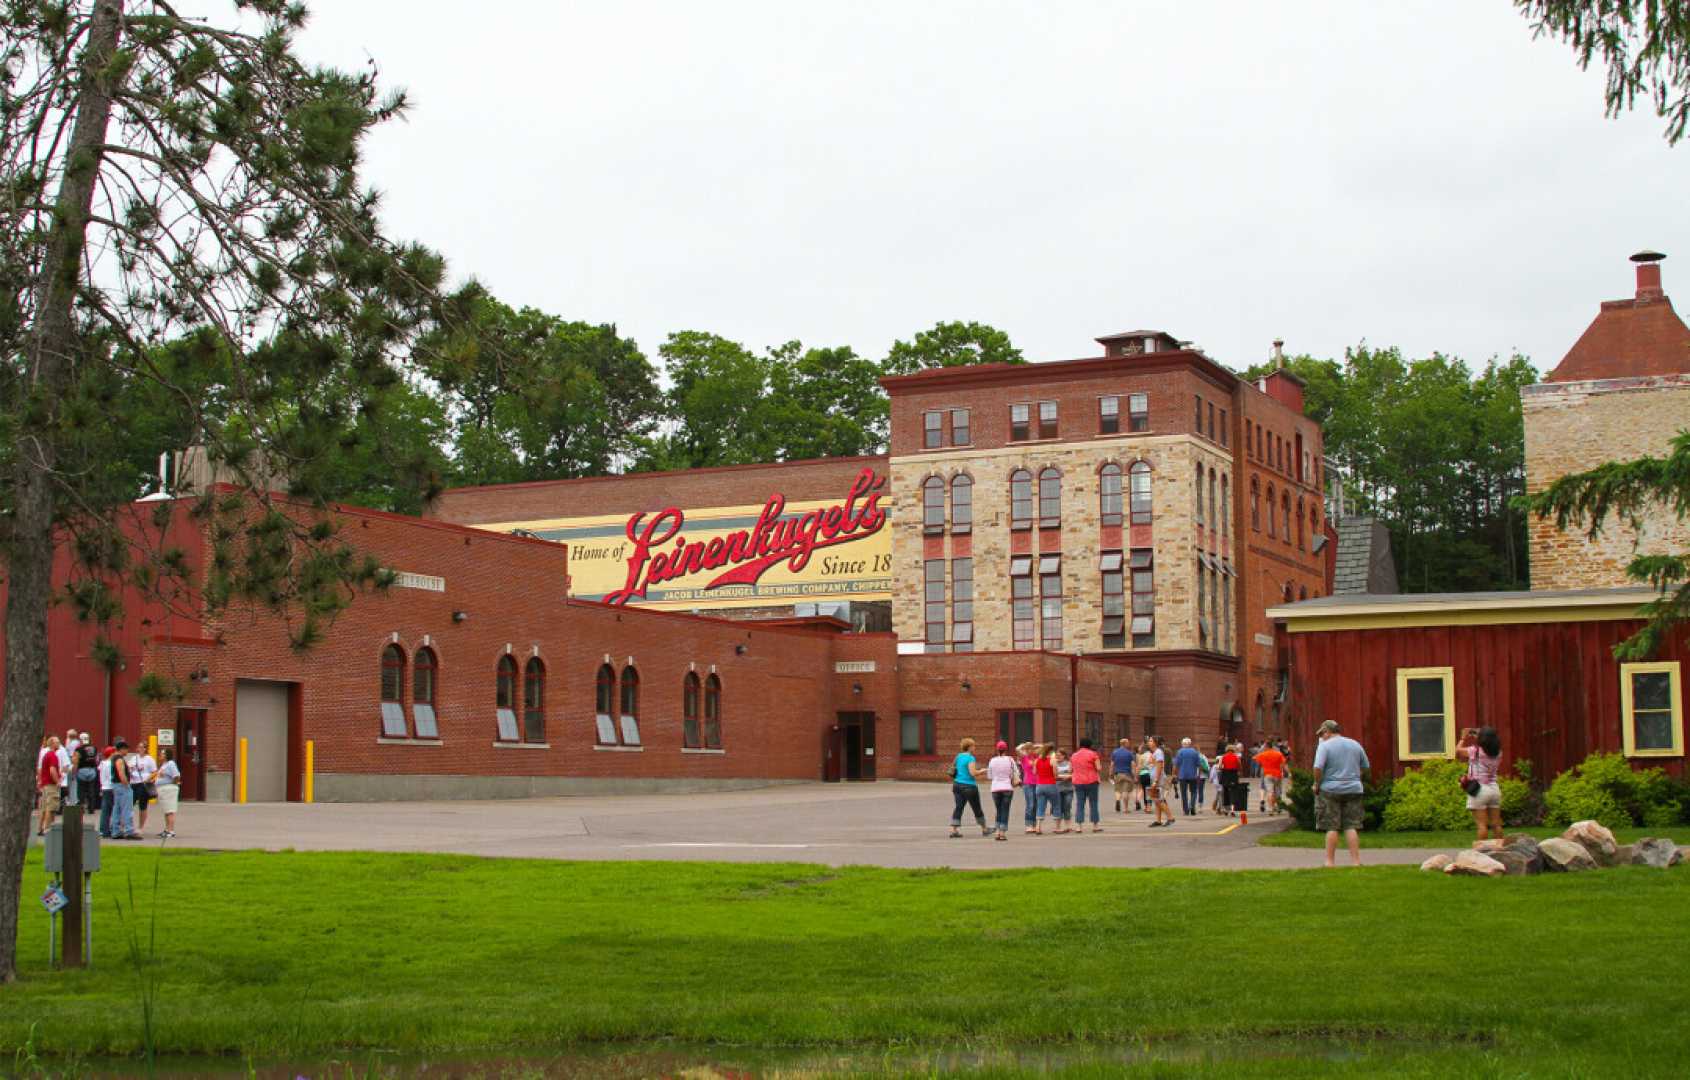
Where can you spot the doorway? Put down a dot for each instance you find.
(856, 743)
(190, 752)
(261, 718)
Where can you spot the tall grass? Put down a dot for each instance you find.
(144, 962)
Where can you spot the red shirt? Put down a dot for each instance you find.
(1085, 766)
(1272, 762)
(48, 776)
(1229, 761)
(1044, 771)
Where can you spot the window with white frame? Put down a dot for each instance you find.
(1425, 713)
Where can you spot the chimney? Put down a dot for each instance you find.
(1649, 275)
(1279, 352)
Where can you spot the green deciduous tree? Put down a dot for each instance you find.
(1645, 45)
(186, 257)
(951, 344)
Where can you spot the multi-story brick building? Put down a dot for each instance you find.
(1621, 392)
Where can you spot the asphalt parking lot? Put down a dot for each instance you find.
(883, 824)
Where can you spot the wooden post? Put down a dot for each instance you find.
(240, 782)
(310, 769)
(70, 833)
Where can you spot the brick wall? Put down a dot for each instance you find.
(1575, 426)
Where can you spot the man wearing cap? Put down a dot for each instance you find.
(1338, 765)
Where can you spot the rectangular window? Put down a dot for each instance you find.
(1226, 613)
(1020, 423)
(1144, 599)
(1110, 564)
(959, 427)
(1651, 709)
(1249, 447)
(1047, 419)
(1138, 412)
(507, 725)
(1094, 728)
(1021, 600)
(1198, 427)
(1050, 601)
(1202, 603)
(1015, 726)
(1224, 435)
(1425, 713)
(427, 728)
(934, 573)
(1108, 415)
(962, 605)
(933, 430)
(393, 720)
(916, 734)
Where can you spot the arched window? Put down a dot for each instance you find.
(534, 701)
(630, 706)
(1285, 514)
(1303, 593)
(1314, 524)
(1109, 493)
(1020, 499)
(393, 725)
(932, 505)
(713, 713)
(1273, 524)
(424, 673)
(1258, 711)
(691, 735)
(962, 503)
(1301, 542)
(1139, 482)
(1050, 499)
(1226, 506)
(605, 705)
(1197, 495)
(504, 698)
(1255, 504)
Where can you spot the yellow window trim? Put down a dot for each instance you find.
(1447, 674)
(1628, 721)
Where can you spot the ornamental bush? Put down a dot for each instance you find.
(1605, 788)
(1299, 800)
(1521, 805)
(1429, 798)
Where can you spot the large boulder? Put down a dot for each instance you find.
(1489, 846)
(1559, 854)
(1476, 864)
(1654, 851)
(1526, 847)
(1436, 862)
(1517, 862)
(1596, 839)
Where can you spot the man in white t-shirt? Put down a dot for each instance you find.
(142, 769)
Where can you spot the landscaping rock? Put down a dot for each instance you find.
(1477, 864)
(1596, 839)
(1526, 847)
(1489, 845)
(1654, 851)
(1559, 854)
(1436, 862)
(1517, 862)
(1622, 855)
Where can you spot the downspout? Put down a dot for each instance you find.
(1074, 700)
(105, 712)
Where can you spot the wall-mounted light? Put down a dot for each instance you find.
(856, 688)
(459, 616)
(967, 686)
(739, 650)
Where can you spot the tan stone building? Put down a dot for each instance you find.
(1621, 392)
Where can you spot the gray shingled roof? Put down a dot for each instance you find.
(1364, 563)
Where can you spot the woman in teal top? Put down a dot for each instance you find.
(964, 771)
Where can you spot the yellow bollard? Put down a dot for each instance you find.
(241, 782)
(152, 747)
(310, 768)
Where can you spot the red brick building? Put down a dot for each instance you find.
(675, 631)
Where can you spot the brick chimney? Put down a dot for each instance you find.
(1649, 275)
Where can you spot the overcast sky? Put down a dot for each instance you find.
(1419, 174)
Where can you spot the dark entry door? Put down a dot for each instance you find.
(190, 752)
(833, 753)
(857, 729)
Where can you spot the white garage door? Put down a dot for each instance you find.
(261, 715)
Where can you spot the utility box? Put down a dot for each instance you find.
(53, 849)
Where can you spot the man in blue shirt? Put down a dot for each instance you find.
(1338, 765)
(1188, 766)
(1123, 769)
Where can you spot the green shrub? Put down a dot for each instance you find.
(1377, 798)
(1299, 800)
(1605, 788)
(1429, 798)
(1521, 805)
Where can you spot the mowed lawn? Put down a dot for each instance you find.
(1261, 973)
(1455, 841)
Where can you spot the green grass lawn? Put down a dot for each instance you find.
(298, 957)
(1303, 838)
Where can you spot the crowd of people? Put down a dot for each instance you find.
(1060, 788)
(121, 783)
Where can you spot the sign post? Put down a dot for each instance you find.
(71, 873)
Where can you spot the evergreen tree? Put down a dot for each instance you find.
(1645, 45)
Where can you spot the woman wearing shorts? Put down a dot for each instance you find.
(1482, 750)
(169, 785)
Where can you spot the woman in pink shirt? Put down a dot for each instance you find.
(1029, 755)
(1086, 781)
